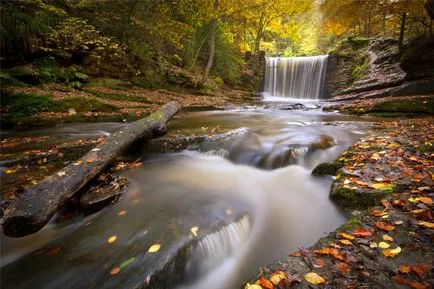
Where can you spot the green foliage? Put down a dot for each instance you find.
(7, 80)
(360, 67)
(29, 104)
(80, 104)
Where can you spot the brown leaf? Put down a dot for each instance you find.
(384, 226)
(318, 263)
(361, 232)
(342, 267)
(421, 269)
(399, 279)
(418, 285)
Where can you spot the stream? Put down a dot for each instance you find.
(218, 211)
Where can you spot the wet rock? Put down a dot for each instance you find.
(327, 169)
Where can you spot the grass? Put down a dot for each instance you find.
(119, 97)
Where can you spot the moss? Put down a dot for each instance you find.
(80, 104)
(416, 105)
(154, 116)
(327, 168)
(356, 199)
(119, 97)
(361, 64)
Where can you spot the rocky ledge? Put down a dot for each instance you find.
(388, 178)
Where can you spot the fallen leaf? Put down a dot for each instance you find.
(122, 213)
(387, 238)
(346, 236)
(127, 262)
(426, 224)
(382, 186)
(383, 245)
(264, 283)
(314, 278)
(252, 286)
(361, 232)
(115, 270)
(392, 252)
(421, 269)
(404, 269)
(384, 226)
(334, 245)
(342, 267)
(426, 200)
(296, 254)
(194, 230)
(61, 174)
(346, 242)
(53, 251)
(418, 285)
(154, 248)
(277, 276)
(373, 245)
(10, 171)
(378, 213)
(112, 239)
(318, 263)
(399, 279)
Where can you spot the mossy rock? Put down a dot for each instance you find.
(355, 198)
(327, 168)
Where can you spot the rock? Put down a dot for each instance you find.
(324, 142)
(423, 86)
(327, 169)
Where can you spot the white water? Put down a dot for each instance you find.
(294, 77)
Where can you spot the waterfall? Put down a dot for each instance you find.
(294, 77)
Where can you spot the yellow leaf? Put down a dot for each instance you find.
(387, 238)
(154, 248)
(112, 239)
(413, 200)
(383, 245)
(382, 186)
(194, 230)
(426, 224)
(252, 286)
(392, 252)
(277, 276)
(346, 236)
(314, 278)
(346, 242)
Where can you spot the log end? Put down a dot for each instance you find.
(20, 226)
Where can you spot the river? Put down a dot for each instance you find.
(217, 211)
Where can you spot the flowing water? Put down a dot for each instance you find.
(294, 77)
(218, 211)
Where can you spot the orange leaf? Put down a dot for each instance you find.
(399, 279)
(296, 254)
(334, 245)
(115, 270)
(384, 226)
(346, 236)
(426, 224)
(387, 238)
(342, 267)
(418, 285)
(361, 232)
(404, 269)
(392, 252)
(264, 283)
(377, 213)
(122, 213)
(426, 200)
(421, 269)
(323, 251)
(314, 278)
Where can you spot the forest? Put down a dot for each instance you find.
(255, 144)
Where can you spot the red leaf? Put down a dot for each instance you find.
(361, 232)
(399, 279)
(264, 283)
(421, 269)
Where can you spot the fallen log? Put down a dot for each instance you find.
(36, 205)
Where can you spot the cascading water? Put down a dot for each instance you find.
(294, 77)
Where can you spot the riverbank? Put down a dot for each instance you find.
(48, 104)
(387, 243)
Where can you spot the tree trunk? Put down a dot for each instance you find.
(211, 42)
(35, 206)
(402, 30)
